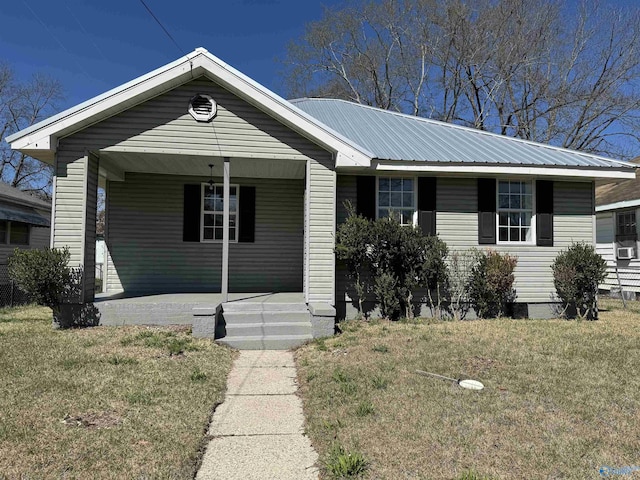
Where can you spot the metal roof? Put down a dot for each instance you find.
(23, 214)
(17, 196)
(395, 136)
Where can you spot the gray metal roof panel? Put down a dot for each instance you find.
(23, 214)
(395, 136)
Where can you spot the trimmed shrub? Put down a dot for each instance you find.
(460, 264)
(491, 283)
(45, 276)
(386, 291)
(577, 272)
(352, 246)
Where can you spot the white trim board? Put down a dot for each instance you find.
(618, 205)
(40, 140)
(511, 170)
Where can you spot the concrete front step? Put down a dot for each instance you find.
(246, 306)
(268, 329)
(234, 317)
(268, 342)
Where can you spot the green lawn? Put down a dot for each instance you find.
(126, 402)
(562, 398)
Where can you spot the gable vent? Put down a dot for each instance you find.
(202, 108)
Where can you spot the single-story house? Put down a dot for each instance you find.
(24, 224)
(216, 185)
(617, 207)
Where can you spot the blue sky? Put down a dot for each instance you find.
(92, 46)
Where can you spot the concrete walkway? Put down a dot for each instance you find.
(258, 430)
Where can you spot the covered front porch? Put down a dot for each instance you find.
(266, 224)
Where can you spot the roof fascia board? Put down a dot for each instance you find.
(42, 137)
(349, 153)
(618, 205)
(484, 169)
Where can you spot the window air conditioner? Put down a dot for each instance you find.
(626, 253)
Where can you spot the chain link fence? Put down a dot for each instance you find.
(10, 294)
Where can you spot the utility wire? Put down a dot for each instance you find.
(162, 26)
(53, 35)
(85, 32)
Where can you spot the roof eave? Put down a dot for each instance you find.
(40, 140)
(618, 205)
(615, 172)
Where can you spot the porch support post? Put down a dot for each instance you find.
(225, 231)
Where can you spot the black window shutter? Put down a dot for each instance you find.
(366, 197)
(427, 205)
(191, 213)
(544, 213)
(247, 214)
(486, 211)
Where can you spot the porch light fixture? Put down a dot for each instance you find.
(203, 108)
(211, 183)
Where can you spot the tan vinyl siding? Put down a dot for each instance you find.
(628, 270)
(147, 254)
(90, 227)
(322, 221)
(163, 125)
(68, 221)
(457, 225)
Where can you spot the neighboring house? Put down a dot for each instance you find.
(24, 223)
(286, 169)
(617, 211)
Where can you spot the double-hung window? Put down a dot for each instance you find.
(515, 211)
(626, 225)
(212, 213)
(397, 199)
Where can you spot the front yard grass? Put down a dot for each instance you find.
(124, 402)
(561, 398)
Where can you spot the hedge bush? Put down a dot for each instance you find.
(491, 283)
(577, 272)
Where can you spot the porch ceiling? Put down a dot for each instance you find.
(114, 165)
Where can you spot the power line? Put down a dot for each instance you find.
(162, 26)
(55, 37)
(85, 32)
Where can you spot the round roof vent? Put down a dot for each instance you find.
(203, 108)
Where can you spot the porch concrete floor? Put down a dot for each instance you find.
(200, 298)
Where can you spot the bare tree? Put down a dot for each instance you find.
(533, 69)
(21, 105)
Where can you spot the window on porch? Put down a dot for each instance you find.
(212, 213)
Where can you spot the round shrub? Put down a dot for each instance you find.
(577, 272)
